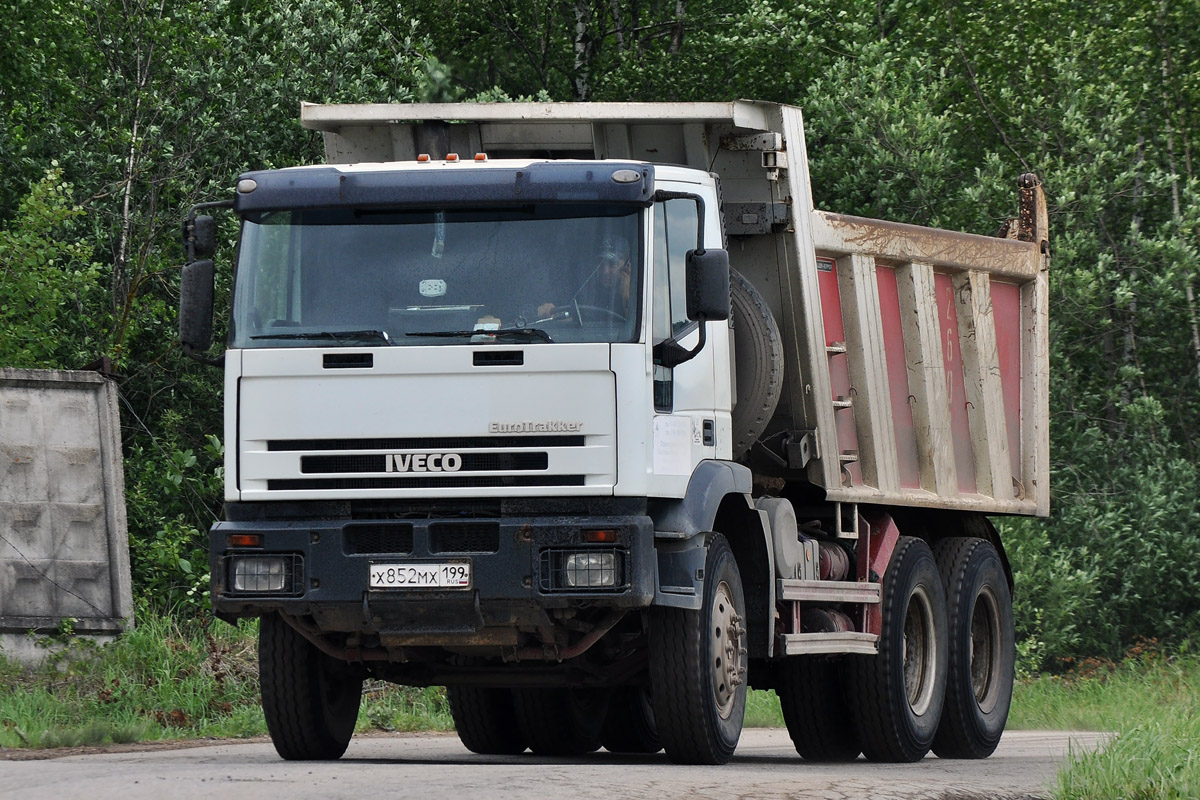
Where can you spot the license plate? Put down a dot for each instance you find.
(446, 575)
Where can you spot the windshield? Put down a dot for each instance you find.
(339, 277)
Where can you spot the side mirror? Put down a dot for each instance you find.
(708, 285)
(707, 296)
(200, 237)
(196, 306)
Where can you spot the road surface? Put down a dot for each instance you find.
(437, 767)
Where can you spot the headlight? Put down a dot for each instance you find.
(590, 570)
(256, 574)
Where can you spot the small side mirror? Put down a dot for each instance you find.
(708, 285)
(200, 237)
(196, 306)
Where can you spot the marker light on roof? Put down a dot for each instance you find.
(481, 156)
(423, 158)
(451, 158)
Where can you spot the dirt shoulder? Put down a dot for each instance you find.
(44, 754)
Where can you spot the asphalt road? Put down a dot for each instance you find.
(436, 766)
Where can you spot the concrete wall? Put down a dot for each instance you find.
(64, 549)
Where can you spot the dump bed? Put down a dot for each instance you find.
(916, 359)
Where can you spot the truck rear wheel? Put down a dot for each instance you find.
(979, 680)
(561, 722)
(698, 663)
(629, 726)
(898, 693)
(485, 720)
(310, 700)
(813, 700)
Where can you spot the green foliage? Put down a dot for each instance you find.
(115, 117)
(47, 278)
(170, 494)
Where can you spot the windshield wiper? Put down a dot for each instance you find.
(502, 333)
(338, 336)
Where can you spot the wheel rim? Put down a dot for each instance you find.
(725, 650)
(985, 649)
(920, 656)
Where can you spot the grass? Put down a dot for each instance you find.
(163, 680)
(170, 679)
(1150, 701)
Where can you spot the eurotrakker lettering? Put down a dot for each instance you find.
(528, 426)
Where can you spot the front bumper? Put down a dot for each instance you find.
(518, 586)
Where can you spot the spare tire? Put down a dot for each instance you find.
(758, 356)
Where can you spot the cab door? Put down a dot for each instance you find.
(684, 396)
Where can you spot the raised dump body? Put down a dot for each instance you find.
(915, 359)
(584, 412)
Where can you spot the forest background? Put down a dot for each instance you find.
(117, 115)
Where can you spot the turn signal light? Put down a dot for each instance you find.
(600, 537)
(244, 540)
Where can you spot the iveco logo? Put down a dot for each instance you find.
(424, 462)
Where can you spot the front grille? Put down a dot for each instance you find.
(425, 509)
(464, 537)
(348, 361)
(367, 539)
(470, 462)
(468, 482)
(430, 443)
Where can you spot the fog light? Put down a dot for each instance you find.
(590, 569)
(261, 573)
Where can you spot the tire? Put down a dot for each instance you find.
(812, 697)
(561, 722)
(310, 700)
(485, 720)
(629, 726)
(979, 680)
(698, 663)
(758, 353)
(897, 694)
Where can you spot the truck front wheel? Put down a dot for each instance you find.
(561, 722)
(629, 726)
(698, 663)
(980, 679)
(813, 700)
(485, 720)
(310, 700)
(898, 692)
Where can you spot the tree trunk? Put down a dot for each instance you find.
(583, 44)
(677, 28)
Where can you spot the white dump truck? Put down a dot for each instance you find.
(586, 413)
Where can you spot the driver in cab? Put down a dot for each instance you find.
(606, 289)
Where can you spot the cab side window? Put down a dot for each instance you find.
(675, 225)
(675, 228)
